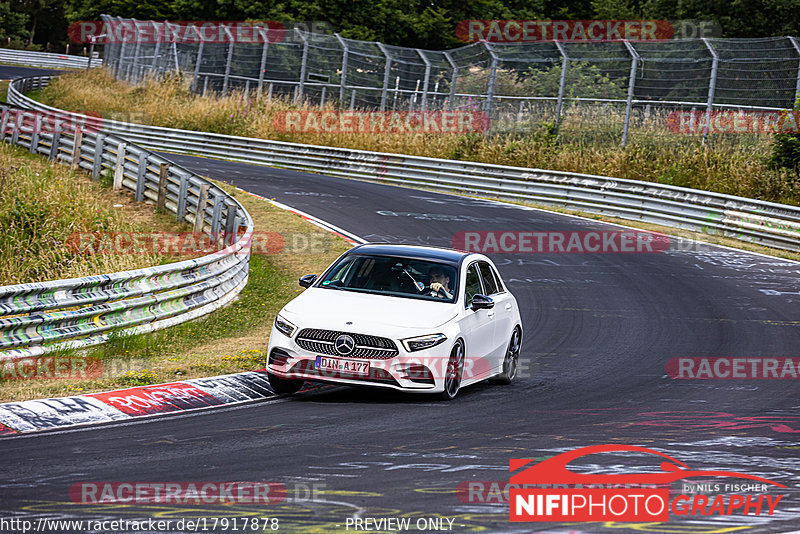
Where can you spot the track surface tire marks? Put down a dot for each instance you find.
(599, 330)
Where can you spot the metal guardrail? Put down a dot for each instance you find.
(36, 318)
(46, 59)
(767, 223)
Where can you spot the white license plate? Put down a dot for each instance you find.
(354, 367)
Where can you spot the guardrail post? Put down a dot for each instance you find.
(16, 126)
(77, 141)
(163, 174)
(97, 164)
(4, 124)
(228, 61)
(55, 140)
(216, 216)
(796, 102)
(453, 80)
(631, 85)
(562, 84)
(426, 83)
(37, 125)
(712, 86)
(200, 213)
(343, 77)
(180, 210)
(386, 72)
(119, 169)
(141, 176)
(230, 221)
(264, 52)
(492, 78)
(199, 58)
(303, 67)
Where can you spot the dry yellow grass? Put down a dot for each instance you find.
(42, 204)
(588, 142)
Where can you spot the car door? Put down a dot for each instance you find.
(503, 308)
(478, 329)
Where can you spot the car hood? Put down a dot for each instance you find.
(332, 309)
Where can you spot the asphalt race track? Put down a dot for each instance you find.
(599, 330)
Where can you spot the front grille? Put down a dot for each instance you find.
(367, 347)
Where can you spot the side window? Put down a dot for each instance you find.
(488, 278)
(473, 284)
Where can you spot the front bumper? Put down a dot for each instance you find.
(420, 371)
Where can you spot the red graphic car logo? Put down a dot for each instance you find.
(554, 470)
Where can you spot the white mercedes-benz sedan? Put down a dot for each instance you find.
(411, 318)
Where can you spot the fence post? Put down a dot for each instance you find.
(386, 72)
(562, 83)
(227, 62)
(141, 176)
(796, 102)
(343, 79)
(426, 83)
(163, 174)
(453, 79)
(265, 35)
(174, 48)
(138, 44)
(631, 86)
(492, 77)
(158, 44)
(97, 163)
(200, 213)
(119, 169)
(77, 141)
(712, 87)
(298, 96)
(199, 58)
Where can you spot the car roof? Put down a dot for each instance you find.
(444, 255)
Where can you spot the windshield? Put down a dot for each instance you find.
(393, 276)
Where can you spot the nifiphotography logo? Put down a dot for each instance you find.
(572, 496)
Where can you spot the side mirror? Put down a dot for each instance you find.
(307, 280)
(482, 302)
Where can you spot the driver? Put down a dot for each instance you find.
(440, 282)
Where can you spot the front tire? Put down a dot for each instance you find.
(284, 386)
(511, 361)
(454, 372)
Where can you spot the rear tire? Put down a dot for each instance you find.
(284, 386)
(511, 361)
(455, 369)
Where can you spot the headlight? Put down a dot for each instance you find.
(284, 327)
(414, 344)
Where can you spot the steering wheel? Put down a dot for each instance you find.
(430, 291)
